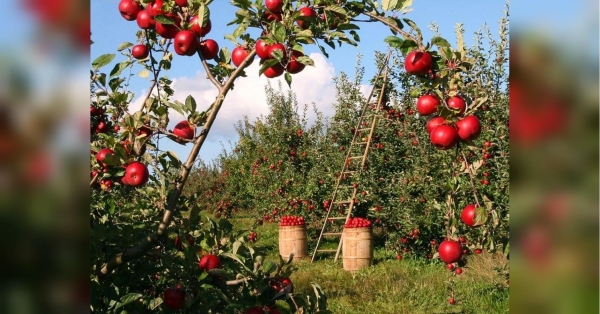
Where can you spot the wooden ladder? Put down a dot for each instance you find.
(347, 172)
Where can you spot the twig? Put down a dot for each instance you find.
(209, 75)
(94, 179)
(395, 28)
(471, 177)
(237, 282)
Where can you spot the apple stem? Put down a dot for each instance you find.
(471, 177)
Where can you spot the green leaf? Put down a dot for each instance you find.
(336, 9)
(203, 14)
(102, 60)
(279, 32)
(236, 247)
(387, 5)
(126, 299)
(119, 67)
(394, 41)
(404, 4)
(269, 267)
(414, 26)
(288, 79)
(481, 215)
(173, 158)
(236, 258)
(190, 103)
(164, 20)
(283, 307)
(144, 73)
(124, 45)
(440, 42)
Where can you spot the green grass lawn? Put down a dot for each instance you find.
(392, 286)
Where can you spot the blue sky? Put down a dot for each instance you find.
(109, 29)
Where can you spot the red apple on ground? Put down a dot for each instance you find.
(174, 298)
(450, 251)
(200, 30)
(418, 63)
(294, 66)
(208, 262)
(452, 301)
(129, 9)
(457, 104)
(458, 271)
(262, 49)
(185, 43)
(209, 49)
(427, 104)
(274, 5)
(140, 51)
(184, 130)
(136, 174)
(433, 122)
(468, 128)
(308, 15)
(102, 154)
(238, 55)
(443, 137)
(145, 21)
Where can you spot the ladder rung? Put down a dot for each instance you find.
(332, 234)
(351, 171)
(356, 157)
(361, 143)
(326, 250)
(343, 202)
(337, 218)
(365, 129)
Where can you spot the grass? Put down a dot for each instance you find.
(392, 286)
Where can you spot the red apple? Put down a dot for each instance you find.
(136, 174)
(174, 298)
(443, 137)
(457, 104)
(450, 251)
(155, 8)
(468, 128)
(262, 49)
(168, 31)
(269, 16)
(184, 130)
(418, 63)
(274, 5)
(140, 51)
(145, 21)
(276, 47)
(308, 15)
(200, 30)
(255, 310)
(209, 49)
(427, 104)
(102, 154)
(274, 71)
(238, 55)
(186, 43)
(129, 9)
(468, 215)
(433, 122)
(209, 261)
(181, 3)
(293, 65)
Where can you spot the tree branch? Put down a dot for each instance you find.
(395, 28)
(140, 249)
(209, 75)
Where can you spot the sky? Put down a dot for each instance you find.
(313, 85)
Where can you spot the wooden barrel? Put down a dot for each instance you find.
(293, 239)
(357, 248)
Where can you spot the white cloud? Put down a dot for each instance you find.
(248, 98)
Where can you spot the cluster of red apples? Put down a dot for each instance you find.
(291, 221)
(188, 34)
(442, 134)
(358, 222)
